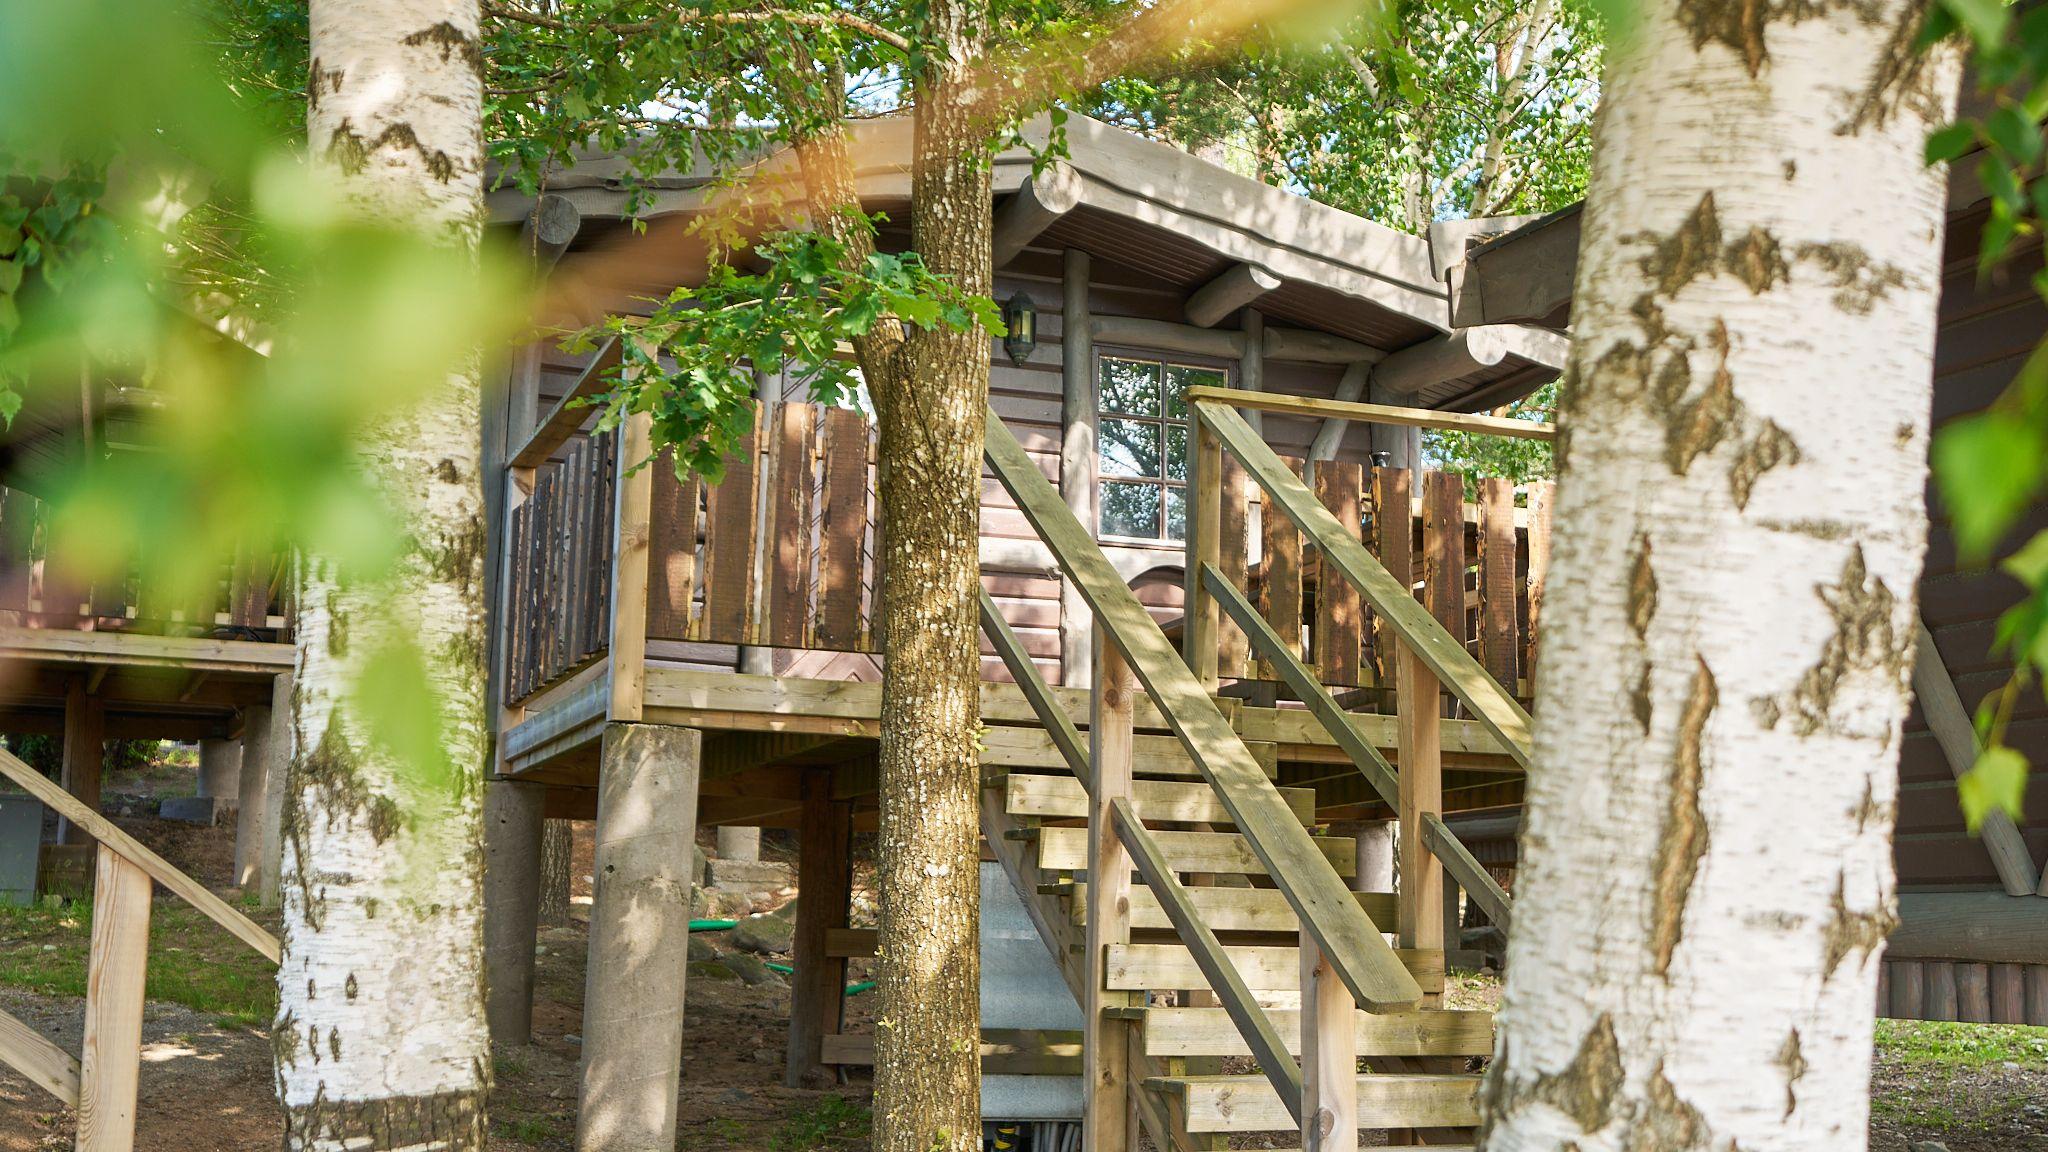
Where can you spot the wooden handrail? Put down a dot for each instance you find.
(1326, 908)
(1443, 654)
(1440, 840)
(1252, 1022)
(1231, 992)
(1458, 860)
(1375, 413)
(47, 1066)
(111, 837)
(569, 413)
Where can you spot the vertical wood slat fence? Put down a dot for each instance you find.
(780, 552)
(38, 590)
(101, 1084)
(1481, 572)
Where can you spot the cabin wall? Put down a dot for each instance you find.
(1987, 330)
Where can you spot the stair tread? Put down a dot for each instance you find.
(1223, 909)
(1066, 849)
(1172, 1032)
(1248, 1103)
(1136, 967)
(1155, 800)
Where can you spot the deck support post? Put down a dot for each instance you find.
(639, 937)
(1108, 1110)
(737, 842)
(85, 732)
(824, 882)
(259, 817)
(220, 770)
(512, 831)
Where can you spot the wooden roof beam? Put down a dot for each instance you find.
(1039, 201)
(1464, 352)
(1241, 285)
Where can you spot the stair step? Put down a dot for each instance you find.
(1209, 1032)
(1151, 755)
(1225, 909)
(1066, 849)
(1385, 1100)
(1155, 800)
(1137, 967)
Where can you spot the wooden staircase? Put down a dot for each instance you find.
(1241, 985)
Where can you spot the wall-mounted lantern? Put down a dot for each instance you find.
(1022, 321)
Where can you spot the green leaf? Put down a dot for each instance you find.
(1950, 142)
(1989, 466)
(1984, 20)
(1997, 782)
(2029, 565)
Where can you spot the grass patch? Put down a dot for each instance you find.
(1952, 1045)
(192, 960)
(833, 1120)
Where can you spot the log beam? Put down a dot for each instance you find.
(1240, 285)
(1041, 200)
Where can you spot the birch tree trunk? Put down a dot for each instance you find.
(380, 1036)
(1707, 879)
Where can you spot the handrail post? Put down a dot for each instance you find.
(1329, 1056)
(1199, 639)
(1107, 1112)
(632, 513)
(111, 1059)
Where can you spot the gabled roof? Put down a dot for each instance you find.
(1171, 218)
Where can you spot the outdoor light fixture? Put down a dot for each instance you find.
(1022, 321)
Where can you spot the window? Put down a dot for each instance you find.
(1142, 446)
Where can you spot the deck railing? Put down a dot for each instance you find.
(248, 597)
(101, 1084)
(779, 552)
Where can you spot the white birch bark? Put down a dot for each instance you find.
(380, 1037)
(1707, 873)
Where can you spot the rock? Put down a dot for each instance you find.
(767, 1056)
(206, 810)
(701, 947)
(786, 912)
(748, 875)
(711, 970)
(573, 1038)
(752, 969)
(699, 865)
(764, 934)
(1928, 1146)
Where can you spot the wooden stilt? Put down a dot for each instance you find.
(817, 989)
(85, 730)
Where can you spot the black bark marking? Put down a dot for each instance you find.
(1864, 640)
(445, 1120)
(1640, 704)
(1770, 448)
(1859, 281)
(452, 41)
(1642, 589)
(1695, 427)
(331, 774)
(1692, 251)
(1584, 1089)
(1817, 529)
(349, 151)
(1794, 1064)
(1664, 1122)
(334, 1043)
(1906, 76)
(350, 988)
(284, 1040)
(1849, 932)
(1758, 261)
(1736, 24)
(1684, 840)
(1766, 711)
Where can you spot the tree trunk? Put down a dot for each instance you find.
(1707, 874)
(927, 1056)
(380, 1036)
(557, 864)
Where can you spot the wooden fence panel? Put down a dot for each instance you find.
(17, 548)
(789, 534)
(729, 544)
(1443, 550)
(843, 529)
(1233, 538)
(1393, 541)
(1340, 610)
(672, 551)
(1500, 638)
(1280, 586)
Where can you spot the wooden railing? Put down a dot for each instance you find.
(1353, 963)
(779, 553)
(101, 1084)
(1428, 654)
(39, 590)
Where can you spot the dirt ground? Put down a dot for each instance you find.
(206, 1084)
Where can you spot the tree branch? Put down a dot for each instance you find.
(846, 20)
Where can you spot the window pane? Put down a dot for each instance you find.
(1130, 448)
(1130, 510)
(1130, 387)
(1181, 377)
(1176, 513)
(1176, 452)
